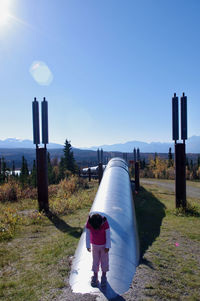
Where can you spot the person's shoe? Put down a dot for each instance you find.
(103, 281)
(94, 281)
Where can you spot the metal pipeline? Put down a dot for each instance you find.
(113, 200)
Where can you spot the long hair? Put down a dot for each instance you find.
(95, 221)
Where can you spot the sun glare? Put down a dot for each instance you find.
(4, 12)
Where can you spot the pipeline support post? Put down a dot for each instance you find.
(100, 172)
(89, 174)
(180, 157)
(41, 153)
(137, 176)
(180, 175)
(42, 179)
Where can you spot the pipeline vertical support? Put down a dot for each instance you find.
(137, 176)
(42, 179)
(134, 155)
(98, 156)
(89, 174)
(175, 119)
(41, 153)
(101, 160)
(45, 135)
(36, 124)
(138, 154)
(100, 172)
(180, 157)
(180, 184)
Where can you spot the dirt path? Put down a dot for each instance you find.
(191, 191)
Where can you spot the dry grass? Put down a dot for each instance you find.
(35, 262)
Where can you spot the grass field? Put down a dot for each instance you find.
(170, 244)
(36, 261)
(34, 264)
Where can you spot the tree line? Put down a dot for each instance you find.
(57, 169)
(165, 168)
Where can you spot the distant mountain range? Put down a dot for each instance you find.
(17, 143)
(192, 145)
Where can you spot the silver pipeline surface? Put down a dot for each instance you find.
(114, 201)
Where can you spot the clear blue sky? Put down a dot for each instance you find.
(115, 65)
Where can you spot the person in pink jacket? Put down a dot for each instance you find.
(98, 235)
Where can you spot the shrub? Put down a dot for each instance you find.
(52, 190)
(8, 222)
(69, 186)
(9, 192)
(29, 193)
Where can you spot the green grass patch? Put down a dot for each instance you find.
(169, 244)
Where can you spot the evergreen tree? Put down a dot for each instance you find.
(33, 177)
(13, 168)
(143, 163)
(51, 173)
(198, 161)
(170, 158)
(61, 169)
(24, 174)
(3, 170)
(191, 164)
(69, 161)
(155, 158)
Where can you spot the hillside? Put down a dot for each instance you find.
(83, 157)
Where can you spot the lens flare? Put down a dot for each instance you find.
(41, 73)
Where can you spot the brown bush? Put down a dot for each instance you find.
(70, 185)
(52, 190)
(9, 192)
(29, 193)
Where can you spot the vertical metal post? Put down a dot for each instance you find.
(134, 155)
(42, 179)
(41, 153)
(184, 117)
(138, 154)
(101, 156)
(36, 125)
(180, 157)
(175, 120)
(100, 172)
(180, 175)
(45, 135)
(137, 176)
(89, 174)
(98, 156)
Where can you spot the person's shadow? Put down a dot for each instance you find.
(63, 226)
(149, 214)
(110, 294)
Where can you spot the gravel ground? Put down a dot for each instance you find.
(191, 191)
